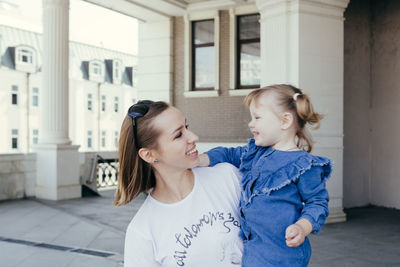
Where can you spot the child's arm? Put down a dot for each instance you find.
(204, 161)
(224, 154)
(297, 232)
(313, 191)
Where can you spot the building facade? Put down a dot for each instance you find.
(101, 88)
(343, 53)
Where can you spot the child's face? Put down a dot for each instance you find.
(265, 123)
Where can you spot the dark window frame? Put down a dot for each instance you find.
(14, 99)
(194, 46)
(14, 95)
(14, 142)
(239, 42)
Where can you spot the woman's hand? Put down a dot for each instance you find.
(296, 233)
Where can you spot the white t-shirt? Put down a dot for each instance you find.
(200, 230)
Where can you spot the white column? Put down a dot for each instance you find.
(54, 96)
(302, 44)
(57, 159)
(155, 60)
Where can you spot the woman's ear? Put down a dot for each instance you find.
(147, 155)
(286, 121)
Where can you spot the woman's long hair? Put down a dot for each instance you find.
(135, 175)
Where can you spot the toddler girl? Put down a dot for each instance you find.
(284, 197)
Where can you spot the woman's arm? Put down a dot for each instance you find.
(138, 251)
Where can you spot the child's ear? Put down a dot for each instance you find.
(287, 120)
(147, 155)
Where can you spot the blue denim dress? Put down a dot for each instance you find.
(278, 188)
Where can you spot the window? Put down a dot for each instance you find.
(248, 52)
(96, 68)
(103, 103)
(116, 70)
(116, 137)
(35, 136)
(25, 55)
(133, 101)
(14, 95)
(89, 139)
(116, 104)
(96, 71)
(14, 139)
(103, 139)
(25, 59)
(89, 102)
(35, 97)
(203, 55)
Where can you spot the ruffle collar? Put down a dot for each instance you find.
(292, 171)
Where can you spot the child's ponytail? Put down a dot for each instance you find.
(305, 114)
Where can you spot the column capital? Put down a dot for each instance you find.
(47, 3)
(330, 8)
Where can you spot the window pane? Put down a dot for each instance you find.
(250, 64)
(249, 26)
(14, 99)
(204, 67)
(14, 143)
(35, 100)
(89, 143)
(203, 31)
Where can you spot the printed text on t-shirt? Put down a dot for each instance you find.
(185, 239)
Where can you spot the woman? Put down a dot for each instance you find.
(190, 216)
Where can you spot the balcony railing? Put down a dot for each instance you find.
(105, 171)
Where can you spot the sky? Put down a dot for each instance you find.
(92, 24)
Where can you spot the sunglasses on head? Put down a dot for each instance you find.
(136, 111)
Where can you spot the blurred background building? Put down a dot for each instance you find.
(101, 88)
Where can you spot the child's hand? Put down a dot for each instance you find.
(296, 233)
(204, 160)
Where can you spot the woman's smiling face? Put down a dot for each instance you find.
(176, 146)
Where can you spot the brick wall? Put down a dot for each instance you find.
(213, 119)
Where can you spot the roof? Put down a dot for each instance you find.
(79, 52)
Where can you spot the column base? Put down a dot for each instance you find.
(336, 215)
(57, 172)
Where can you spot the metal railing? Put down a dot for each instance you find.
(105, 171)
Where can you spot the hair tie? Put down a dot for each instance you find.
(295, 96)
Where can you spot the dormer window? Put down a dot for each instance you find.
(26, 56)
(25, 59)
(96, 71)
(117, 71)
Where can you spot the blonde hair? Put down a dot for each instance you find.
(299, 105)
(135, 175)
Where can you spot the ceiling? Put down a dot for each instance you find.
(147, 10)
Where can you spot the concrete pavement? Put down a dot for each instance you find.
(90, 232)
